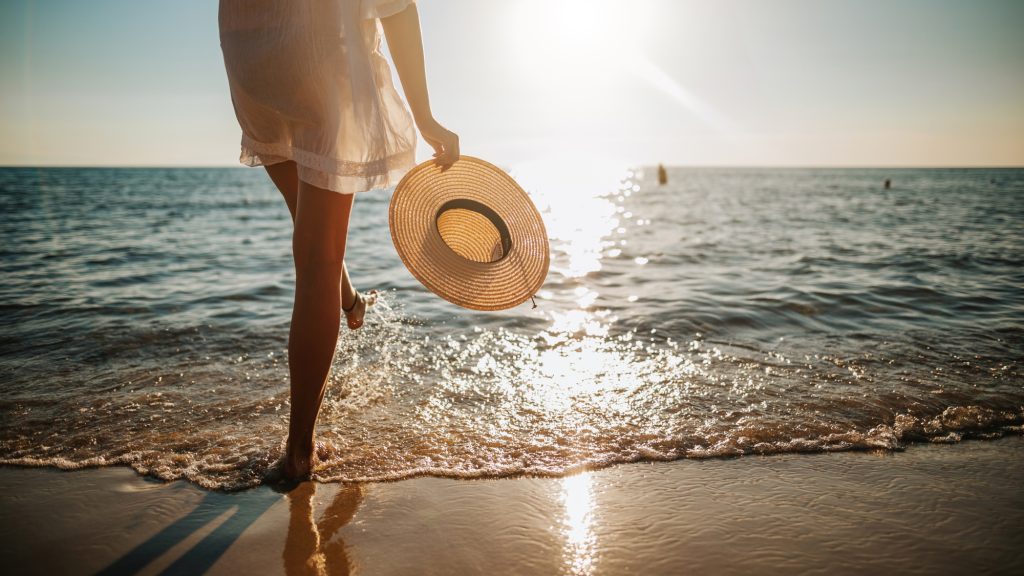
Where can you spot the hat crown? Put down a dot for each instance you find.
(473, 230)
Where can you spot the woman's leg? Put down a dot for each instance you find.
(286, 177)
(318, 247)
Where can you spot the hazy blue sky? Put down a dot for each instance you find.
(752, 82)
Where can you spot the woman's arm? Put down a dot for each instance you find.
(402, 31)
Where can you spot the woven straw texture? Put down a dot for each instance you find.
(474, 268)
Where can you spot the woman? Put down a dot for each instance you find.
(314, 98)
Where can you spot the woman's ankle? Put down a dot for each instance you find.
(299, 448)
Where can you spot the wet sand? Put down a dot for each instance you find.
(928, 510)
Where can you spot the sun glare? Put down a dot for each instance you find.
(586, 53)
(573, 38)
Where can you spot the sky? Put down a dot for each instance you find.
(723, 82)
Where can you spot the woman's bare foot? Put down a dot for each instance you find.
(297, 462)
(297, 468)
(357, 309)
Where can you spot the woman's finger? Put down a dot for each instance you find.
(455, 148)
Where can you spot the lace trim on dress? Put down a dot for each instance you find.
(261, 154)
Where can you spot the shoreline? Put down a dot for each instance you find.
(888, 445)
(927, 509)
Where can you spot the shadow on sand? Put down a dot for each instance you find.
(310, 546)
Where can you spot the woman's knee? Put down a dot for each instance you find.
(316, 251)
(321, 228)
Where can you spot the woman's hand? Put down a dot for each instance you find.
(444, 142)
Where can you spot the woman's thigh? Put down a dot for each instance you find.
(321, 225)
(285, 176)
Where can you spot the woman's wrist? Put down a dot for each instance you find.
(423, 119)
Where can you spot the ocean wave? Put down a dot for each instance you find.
(242, 471)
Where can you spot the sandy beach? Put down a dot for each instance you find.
(927, 510)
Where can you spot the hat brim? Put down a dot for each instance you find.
(499, 285)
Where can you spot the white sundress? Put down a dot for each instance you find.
(309, 83)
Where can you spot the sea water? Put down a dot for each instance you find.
(728, 312)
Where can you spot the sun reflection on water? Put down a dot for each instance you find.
(582, 212)
(557, 392)
(580, 541)
(578, 230)
(577, 322)
(578, 201)
(571, 375)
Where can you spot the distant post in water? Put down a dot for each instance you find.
(662, 174)
(888, 183)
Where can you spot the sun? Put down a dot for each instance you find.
(572, 35)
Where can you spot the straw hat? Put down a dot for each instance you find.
(469, 234)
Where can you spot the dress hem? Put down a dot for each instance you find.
(341, 176)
